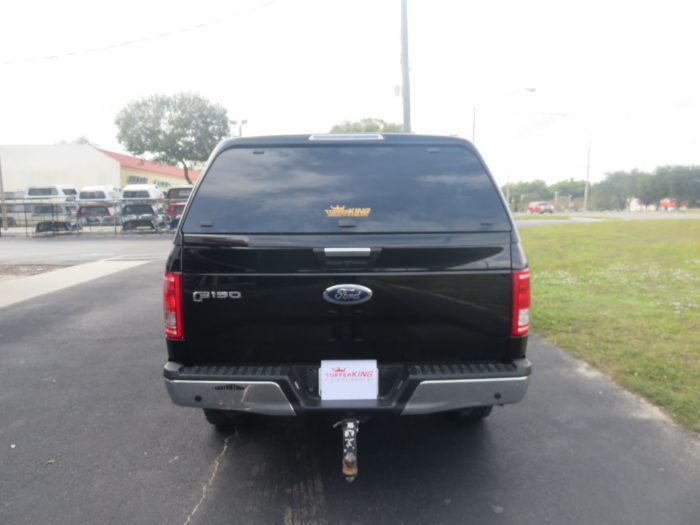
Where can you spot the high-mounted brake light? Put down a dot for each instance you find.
(346, 136)
(521, 303)
(172, 305)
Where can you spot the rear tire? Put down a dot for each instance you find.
(473, 414)
(223, 419)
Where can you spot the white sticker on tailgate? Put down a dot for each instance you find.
(348, 379)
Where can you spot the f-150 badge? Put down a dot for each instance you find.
(198, 297)
(347, 294)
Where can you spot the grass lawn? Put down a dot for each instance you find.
(625, 297)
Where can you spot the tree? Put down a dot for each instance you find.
(573, 189)
(367, 124)
(521, 193)
(177, 129)
(614, 192)
(681, 183)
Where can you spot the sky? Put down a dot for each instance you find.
(544, 78)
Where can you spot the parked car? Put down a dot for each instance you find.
(11, 221)
(174, 212)
(52, 191)
(178, 193)
(671, 205)
(141, 192)
(540, 207)
(99, 193)
(142, 215)
(18, 214)
(98, 215)
(54, 217)
(350, 276)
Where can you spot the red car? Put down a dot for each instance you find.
(540, 207)
(174, 212)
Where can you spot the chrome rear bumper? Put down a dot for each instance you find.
(258, 397)
(454, 394)
(278, 393)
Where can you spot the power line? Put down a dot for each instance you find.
(133, 42)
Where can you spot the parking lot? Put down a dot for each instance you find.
(88, 434)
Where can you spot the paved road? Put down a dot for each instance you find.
(69, 250)
(96, 440)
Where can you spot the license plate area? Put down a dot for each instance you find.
(348, 379)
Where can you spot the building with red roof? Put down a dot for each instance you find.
(82, 165)
(136, 170)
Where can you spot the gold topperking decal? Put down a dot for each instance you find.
(338, 210)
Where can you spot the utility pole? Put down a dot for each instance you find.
(588, 173)
(406, 88)
(2, 202)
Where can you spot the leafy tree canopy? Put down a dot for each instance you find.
(679, 183)
(570, 188)
(180, 128)
(526, 191)
(367, 125)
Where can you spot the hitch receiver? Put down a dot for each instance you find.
(350, 428)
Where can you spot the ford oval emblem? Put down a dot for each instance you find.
(347, 294)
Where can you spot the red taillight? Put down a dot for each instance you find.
(521, 303)
(170, 210)
(172, 304)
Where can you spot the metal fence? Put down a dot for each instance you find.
(50, 217)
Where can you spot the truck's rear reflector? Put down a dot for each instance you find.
(172, 305)
(521, 303)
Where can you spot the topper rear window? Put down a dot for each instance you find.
(350, 189)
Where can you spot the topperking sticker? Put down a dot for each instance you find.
(339, 210)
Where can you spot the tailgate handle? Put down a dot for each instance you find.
(347, 252)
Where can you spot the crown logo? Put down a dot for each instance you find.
(339, 210)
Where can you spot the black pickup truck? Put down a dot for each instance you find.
(349, 275)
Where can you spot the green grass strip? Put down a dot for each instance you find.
(625, 297)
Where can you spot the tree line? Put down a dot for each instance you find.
(681, 184)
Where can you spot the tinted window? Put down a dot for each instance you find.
(179, 193)
(92, 195)
(138, 209)
(92, 211)
(42, 192)
(141, 194)
(68, 191)
(346, 189)
(49, 209)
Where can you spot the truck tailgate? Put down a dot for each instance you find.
(260, 298)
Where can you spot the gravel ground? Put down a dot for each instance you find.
(13, 271)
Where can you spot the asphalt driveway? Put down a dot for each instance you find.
(88, 435)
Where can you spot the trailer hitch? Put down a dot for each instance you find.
(350, 428)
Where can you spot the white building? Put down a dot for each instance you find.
(81, 165)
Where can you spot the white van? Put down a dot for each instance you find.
(141, 192)
(99, 193)
(52, 191)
